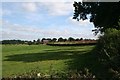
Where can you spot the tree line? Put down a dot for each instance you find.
(41, 41)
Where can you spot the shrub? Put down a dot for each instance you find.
(109, 44)
(84, 74)
(108, 47)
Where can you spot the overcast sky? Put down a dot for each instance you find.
(33, 20)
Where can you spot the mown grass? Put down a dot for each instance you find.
(19, 59)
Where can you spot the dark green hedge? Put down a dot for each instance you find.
(108, 48)
(81, 44)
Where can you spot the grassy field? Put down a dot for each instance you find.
(20, 59)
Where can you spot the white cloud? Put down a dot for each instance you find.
(34, 17)
(16, 31)
(50, 8)
(39, 0)
(58, 8)
(30, 6)
(80, 23)
(84, 27)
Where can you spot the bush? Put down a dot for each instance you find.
(84, 74)
(108, 47)
(109, 44)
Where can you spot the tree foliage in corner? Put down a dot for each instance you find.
(104, 15)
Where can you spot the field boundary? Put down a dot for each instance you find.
(82, 44)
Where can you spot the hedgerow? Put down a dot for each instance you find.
(108, 48)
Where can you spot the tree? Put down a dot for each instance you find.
(71, 39)
(49, 39)
(108, 48)
(29, 42)
(104, 15)
(38, 41)
(77, 39)
(60, 39)
(81, 39)
(65, 40)
(34, 41)
(54, 39)
(12, 42)
(43, 39)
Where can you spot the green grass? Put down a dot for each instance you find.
(19, 59)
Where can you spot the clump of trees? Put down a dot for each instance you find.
(14, 42)
(106, 19)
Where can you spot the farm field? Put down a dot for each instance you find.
(20, 59)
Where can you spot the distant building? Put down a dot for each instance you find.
(46, 41)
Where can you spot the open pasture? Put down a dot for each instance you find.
(20, 59)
